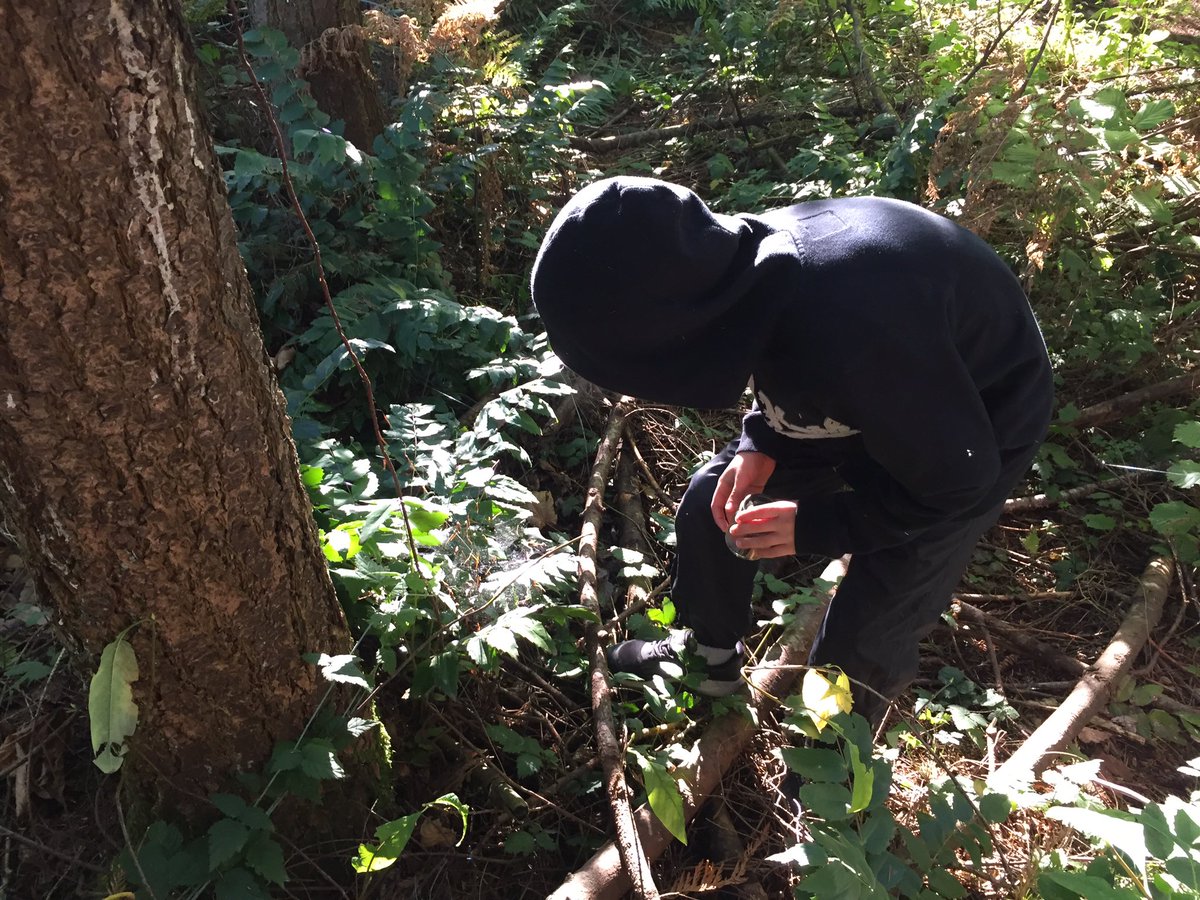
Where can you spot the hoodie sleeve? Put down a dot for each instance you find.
(931, 452)
(759, 437)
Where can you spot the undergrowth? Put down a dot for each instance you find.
(1070, 143)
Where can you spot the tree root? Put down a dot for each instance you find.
(1093, 690)
(723, 742)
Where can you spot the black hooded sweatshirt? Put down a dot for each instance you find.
(878, 338)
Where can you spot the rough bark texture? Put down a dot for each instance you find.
(336, 64)
(146, 467)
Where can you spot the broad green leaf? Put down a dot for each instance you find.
(311, 475)
(816, 763)
(945, 884)
(1086, 887)
(1153, 113)
(1174, 518)
(343, 668)
(827, 801)
(1112, 828)
(319, 760)
(995, 808)
(808, 855)
(265, 856)
(864, 781)
(1184, 474)
(1188, 434)
(226, 838)
(663, 795)
(111, 710)
(1100, 522)
(240, 884)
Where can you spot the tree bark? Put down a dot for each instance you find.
(337, 66)
(146, 466)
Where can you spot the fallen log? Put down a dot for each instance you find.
(602, 877)
(1111, 410)
(612, 755)
(1094, 689)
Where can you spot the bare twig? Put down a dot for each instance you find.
(43, 848)
(286, 176)
(991, 47)
(1016, 637)
(1092, 691)
(650, 135)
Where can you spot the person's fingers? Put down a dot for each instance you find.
(720, 499)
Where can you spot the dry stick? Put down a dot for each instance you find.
(286, 176)
(1093, 690)
(1110, 410)
(612, 756)
(1045, 501)
(650, 135)
(1018, 638)
(1041, 50)
(991, 47)
(722, 744)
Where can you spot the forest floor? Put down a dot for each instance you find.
(1056, 571)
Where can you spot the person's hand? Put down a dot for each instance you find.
(746, 474)
(766, 531)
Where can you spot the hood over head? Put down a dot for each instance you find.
(645, 291)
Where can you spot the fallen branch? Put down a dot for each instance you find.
(723, 742)
(650, 135)
(612, 755)
(1093, 690)
(1044, 501)
(1110, 410)
(1015, 637)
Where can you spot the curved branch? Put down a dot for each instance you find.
(1093, 690)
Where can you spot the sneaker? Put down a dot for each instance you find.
(679, 653)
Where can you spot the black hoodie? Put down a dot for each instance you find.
(879, 338)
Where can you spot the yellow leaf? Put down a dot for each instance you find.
(824, 699)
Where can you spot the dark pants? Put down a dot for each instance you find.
(888, 601)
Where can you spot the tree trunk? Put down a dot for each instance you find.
(337, 66)
(146, 466)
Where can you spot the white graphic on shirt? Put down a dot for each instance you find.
(777, 419)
